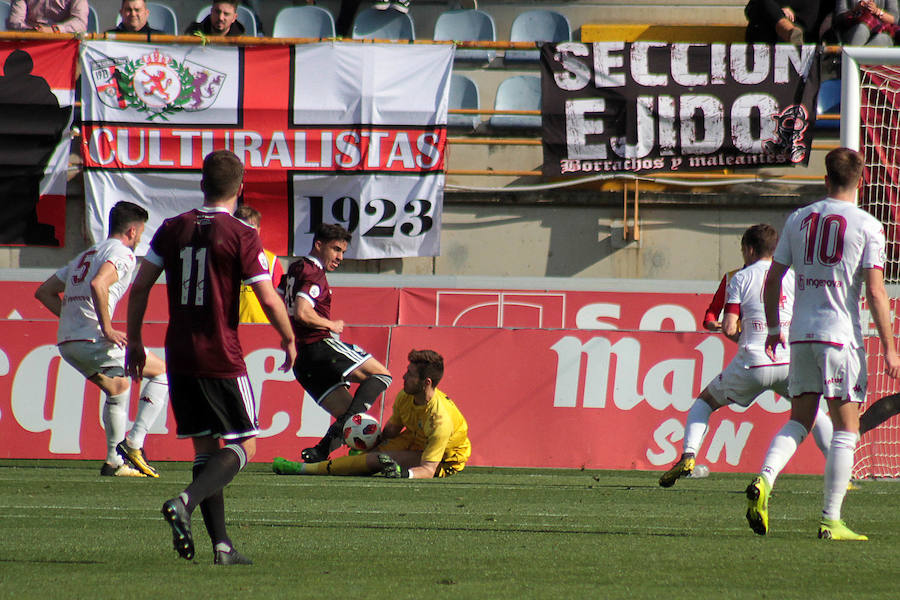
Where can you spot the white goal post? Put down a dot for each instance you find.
(870, 123)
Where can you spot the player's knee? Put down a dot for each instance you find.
(384, 378)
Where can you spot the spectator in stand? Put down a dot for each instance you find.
(221, 21)
(250, 309)
(134, 15)
(398, 5)
(768, 22)
(867, 22)
(48, 16)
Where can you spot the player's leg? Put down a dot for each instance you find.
(337, 403)
(845, 389)
(207, 409)
(373, 379)
(356, 464)
(151, 403)
(822, 430)
(806, 415)
(781, 449)
(351, 363)
(694, 431)
(838, 468)
(880, 411)
(104, 365)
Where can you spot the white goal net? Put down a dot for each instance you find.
(870, 122)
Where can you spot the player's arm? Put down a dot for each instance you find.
(730, 327)
(135, 355)
(105, 277)
(772, 302)
(880, 309)
(390, 430)
(711, 317)
(273, 306)
(306, 313)
(50, 293)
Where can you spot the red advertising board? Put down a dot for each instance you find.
(545, 379)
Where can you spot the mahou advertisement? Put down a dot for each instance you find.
(549, 378)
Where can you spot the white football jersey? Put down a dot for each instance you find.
(78, 321)
(829, 243)
(746, 289)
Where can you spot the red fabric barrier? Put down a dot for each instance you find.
(535, 398)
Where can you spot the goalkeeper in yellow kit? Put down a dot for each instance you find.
(426, 436)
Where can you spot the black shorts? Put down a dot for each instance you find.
(223, 408)
(323, 366)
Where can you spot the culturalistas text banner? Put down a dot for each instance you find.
(37, 93)
(616, 107)
(327, 132)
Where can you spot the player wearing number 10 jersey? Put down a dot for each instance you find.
(833, 247)
(206, 254)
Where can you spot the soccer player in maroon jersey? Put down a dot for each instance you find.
(325, 365)
(206, 254)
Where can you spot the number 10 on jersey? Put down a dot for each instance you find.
(389, 216)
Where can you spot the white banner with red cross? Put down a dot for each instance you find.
(332, 132)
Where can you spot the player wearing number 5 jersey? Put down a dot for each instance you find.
(326, 365)
(206, 254)
(84, 294)
(834, 247)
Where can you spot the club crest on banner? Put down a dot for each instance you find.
(156, 84)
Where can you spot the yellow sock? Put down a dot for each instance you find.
(343, 465)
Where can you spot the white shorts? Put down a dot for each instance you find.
(741, 384)
(90, 358)
(833, 371)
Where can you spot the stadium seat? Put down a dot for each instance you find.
(519, 92)
(463, 94)
(93, 24)
(303, 22)
(245, 17)
(372, 24)
(467, 25)
(537, 26)
(161, 17)
(829, 103)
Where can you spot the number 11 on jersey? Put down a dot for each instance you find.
(193, 275)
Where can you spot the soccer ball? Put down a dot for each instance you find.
(361, 432)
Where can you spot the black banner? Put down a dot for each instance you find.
(615, 107)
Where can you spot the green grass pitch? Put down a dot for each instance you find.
(486, 533)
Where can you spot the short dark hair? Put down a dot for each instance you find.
(248, 214)
(234, 3)
(223, 173)
(428, 363)
(844, 167)
(125, 214)
(762, 238)
(327, 232)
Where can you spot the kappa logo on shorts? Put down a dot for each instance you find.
(156, 84)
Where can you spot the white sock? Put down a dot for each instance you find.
(151, 403)
(822, 431)
(782, 448)
(838, 466)
(696, 426)
(115, 421)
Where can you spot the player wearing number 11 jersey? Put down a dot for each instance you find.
(206, 254)
(833, 247)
